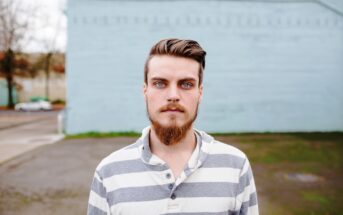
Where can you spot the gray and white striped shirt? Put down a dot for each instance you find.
(217, 180)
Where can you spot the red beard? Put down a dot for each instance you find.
(170, 135)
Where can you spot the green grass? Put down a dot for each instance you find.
(320, 136)
(317, 204)
(270, 148)
(298, 151)
(323, 148)
(94, 134)
(316, 197)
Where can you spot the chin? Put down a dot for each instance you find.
(170, 123)
(175, 124)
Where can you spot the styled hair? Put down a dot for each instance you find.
(178, 48)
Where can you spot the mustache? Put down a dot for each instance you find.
(173, 107)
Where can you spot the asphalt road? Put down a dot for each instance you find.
(39, 177)
(53, 179)
(50, 179)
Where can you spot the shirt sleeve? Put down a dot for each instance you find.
(247, 195)
(97, 204)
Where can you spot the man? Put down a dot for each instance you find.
(173, 168)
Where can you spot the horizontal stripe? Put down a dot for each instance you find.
(96, 201)
(136, 179)
(98, 188)
(253, 199)
(200, 205)
(248, 209)
(128, 166)
(222, 148)
(245, 181)
(215, 175)
(247, 174)
(223, 160)
(207, 189)
(199, 213)
(126, 153)
(136, 194)
(244, 208)
(244, 195)
(122, 167)
(246, 167)
(136, 208)
(95, 211)
(145, 178)
(185, 205)
(149, 193)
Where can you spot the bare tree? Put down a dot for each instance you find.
(50, 46)
(15, 21)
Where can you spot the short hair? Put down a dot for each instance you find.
(178, 48)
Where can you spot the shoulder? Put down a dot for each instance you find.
(118, 158)
(214, 146)
(227, 155)
(222, 154)
(218, 147)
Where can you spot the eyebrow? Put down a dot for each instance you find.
(163, 79)
(188, 79)
(158, 79)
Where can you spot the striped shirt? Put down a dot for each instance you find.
(216, 180)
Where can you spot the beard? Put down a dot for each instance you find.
(172, 134)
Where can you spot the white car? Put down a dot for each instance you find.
(33, 106)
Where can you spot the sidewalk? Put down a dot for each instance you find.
(22, 132)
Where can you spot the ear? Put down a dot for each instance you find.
(200, 92)
(145, 88)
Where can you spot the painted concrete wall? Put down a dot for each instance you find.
(271, 66)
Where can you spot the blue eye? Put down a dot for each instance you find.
(187, 85)
(159, 84)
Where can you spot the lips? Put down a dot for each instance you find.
(172, 108)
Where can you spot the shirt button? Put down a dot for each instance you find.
(170, 186)
(173, 196)
(168, 175)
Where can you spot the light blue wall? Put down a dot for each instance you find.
(271, 66)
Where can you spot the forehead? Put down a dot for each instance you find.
(170, 67)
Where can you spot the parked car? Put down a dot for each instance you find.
(33, 106)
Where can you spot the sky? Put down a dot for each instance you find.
(50, 28)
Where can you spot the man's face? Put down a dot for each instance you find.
(172, 93)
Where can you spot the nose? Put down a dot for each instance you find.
(173, 94)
